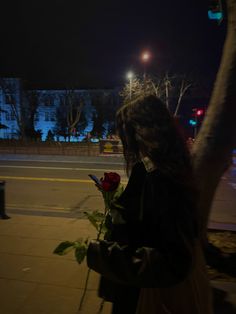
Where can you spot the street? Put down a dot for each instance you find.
(62, 188)
(42, 195)
(53, 188)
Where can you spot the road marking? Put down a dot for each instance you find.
(108, 162)
(51, 179)
(47, 179)
(38, 207)
(58, 168)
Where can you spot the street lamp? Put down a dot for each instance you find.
(145, 57)
(130, 76)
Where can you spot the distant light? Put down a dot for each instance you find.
(146, 56)
(199, 112)
(192, 122)
(130, 75)
(218, 15)
(94, 140)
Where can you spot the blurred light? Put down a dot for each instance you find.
(130, 75)
(215, 15)
(215, 10)
(145, 56)
(192, 122)
(199, 112)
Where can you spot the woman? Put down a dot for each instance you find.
(152, 262)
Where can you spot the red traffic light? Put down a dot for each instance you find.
(199, 112)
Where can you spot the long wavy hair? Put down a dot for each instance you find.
(146, 128)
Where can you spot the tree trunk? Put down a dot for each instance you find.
(216, 140)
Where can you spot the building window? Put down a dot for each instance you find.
(49, 101)
(36, 117)
(13, 116)
(46, 116)
(7, 116)
(52, 116)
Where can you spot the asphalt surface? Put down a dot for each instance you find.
(44, 196)
(59, 186)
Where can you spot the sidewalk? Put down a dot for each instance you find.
(33, 280)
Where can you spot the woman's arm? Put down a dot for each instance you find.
(159, 251)
(144, 266)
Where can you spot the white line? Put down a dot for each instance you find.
(38, 207)
(67, 161)
(57, 168)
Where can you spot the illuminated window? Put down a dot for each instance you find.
(49, 101)
(46, 116)
(7, 116)
(13, 116)
(52, 116)
(36, 117)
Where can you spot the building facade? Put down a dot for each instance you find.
(17, 105)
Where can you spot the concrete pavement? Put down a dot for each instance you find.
(34, 280)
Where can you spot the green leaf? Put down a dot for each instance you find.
(118, 192)
(95, 218)
(120, 189)
(64, 247)
(80, 251)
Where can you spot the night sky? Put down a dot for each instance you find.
(93, 43)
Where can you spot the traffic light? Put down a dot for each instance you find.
(215, 11)
(192, 122)
(197, 115)
(199, 112)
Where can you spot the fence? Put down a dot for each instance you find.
(46, 148)
(104, 147)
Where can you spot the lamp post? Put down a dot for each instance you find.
(130, 76)
(145, 57)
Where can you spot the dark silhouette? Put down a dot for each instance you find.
(152, 261)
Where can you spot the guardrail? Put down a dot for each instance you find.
(57, 148)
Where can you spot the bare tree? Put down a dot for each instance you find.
(167, 85)
(184, 86)
(216, 140)
(69, 113)
(28, 113)
(132, 90)
(23, 105)
(167, 88)
(74, 109)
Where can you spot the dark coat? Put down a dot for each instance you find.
(155, 246)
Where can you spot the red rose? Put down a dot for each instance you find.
(110, 181)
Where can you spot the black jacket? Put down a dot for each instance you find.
(154, 247)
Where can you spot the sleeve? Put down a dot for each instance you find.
(142, 267)
(163, 254)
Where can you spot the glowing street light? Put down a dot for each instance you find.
(130, 76)
(145, 57)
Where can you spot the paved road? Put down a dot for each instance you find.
(55, 186)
